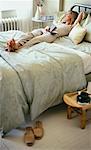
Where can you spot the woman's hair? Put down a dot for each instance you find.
(74, 14)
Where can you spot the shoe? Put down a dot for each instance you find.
(29, 137)
(38, 130)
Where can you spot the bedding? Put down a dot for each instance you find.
(88, 34)
(77, 34)
(84, 46)
(83, 50)
(34, 79)
(58, 16)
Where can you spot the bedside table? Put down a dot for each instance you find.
(71, 100)
(43, 19)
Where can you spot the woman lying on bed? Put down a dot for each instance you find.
(48, 34)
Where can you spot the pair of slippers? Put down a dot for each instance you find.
(33, 133)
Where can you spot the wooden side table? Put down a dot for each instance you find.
(70, 100)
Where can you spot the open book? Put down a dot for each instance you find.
(52, 29)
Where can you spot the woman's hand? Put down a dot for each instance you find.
(47, 28)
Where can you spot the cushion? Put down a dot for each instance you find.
(77, 34)
(87, 20)
(88, 34)
(58, 17)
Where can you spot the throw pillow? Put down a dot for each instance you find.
(58, 17)
(87, 20)
(77, 34)
(88, 34)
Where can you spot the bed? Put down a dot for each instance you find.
(36, 78)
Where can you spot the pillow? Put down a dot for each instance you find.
(87, 20)
(88, 34)
(77, 33)
(85, 14)
(58, 17)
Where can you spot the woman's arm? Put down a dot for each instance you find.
(79, 18)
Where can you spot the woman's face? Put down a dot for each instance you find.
(68, 16)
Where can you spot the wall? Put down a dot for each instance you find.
(69, 3)
(50, 7)
(24, 11)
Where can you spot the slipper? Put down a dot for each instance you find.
(38, 130)
(29, 137)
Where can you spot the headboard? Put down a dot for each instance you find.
(81, 7)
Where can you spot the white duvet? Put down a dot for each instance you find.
(83, 49)
(86, 58)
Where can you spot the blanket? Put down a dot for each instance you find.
(36, 78)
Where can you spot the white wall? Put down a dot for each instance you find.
(13, 4)
(69, 3)
(24, 10)
(51, 7)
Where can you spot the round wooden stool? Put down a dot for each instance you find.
(71, 100)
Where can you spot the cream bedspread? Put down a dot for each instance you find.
(34, 79)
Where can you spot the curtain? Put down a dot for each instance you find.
(24, 13)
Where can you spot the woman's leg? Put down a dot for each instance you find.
(47, 37)
(23, 40)
(30, 35)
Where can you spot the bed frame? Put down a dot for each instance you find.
(84, 7)
(87, 8)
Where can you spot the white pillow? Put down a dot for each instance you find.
(88, 34)
(77, 33)
(58, 17)
(60, 14)
(87, 20)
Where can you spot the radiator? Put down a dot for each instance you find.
(9, 24)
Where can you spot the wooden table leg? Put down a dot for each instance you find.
(69, 112)
(83, 119)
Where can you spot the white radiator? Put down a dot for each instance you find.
(9, 24)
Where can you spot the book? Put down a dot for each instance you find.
(46, 18)
(52, 29)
